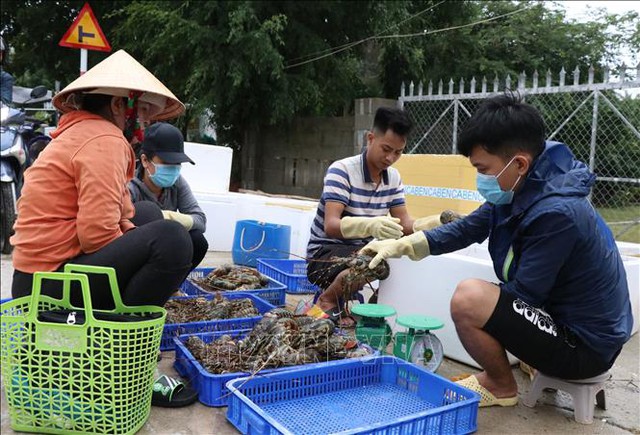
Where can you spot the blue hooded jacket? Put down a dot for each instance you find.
(551, 249)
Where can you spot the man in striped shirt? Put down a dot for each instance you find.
(358, 195)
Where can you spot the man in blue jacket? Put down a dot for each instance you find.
(562, 305)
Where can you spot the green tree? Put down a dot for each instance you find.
(33, 29)
(256, 63)
(252, 62)
(536, 38)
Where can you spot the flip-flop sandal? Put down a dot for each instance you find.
(459, 377)
(526, 368)
(172, 393)
(486, 397)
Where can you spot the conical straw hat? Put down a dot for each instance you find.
(117, 75)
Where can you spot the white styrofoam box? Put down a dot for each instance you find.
(630, 249)
(224, 209)
(632, 268)
(221, 221)
(215, 196)
(298, 214)
(250, 199)
(299, 220)
(220, 209)
(631, 259)
(425, 287)
(212, 171)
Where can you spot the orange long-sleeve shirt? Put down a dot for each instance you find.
(75, 198)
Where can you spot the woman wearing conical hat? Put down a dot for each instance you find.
(75, 206)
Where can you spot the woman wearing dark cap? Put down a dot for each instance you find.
(158, 180)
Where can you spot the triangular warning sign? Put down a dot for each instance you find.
(85, 32)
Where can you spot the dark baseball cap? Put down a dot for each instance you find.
(166, 142)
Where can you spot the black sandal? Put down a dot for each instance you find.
(334, 314)
(172, 393)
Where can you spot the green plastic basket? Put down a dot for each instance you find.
(86, 378)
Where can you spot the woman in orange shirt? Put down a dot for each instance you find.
(75, 206)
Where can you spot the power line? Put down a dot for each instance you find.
(431, 32)
(407, 35)
(348, 44)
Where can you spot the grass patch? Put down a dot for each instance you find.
(619, 220)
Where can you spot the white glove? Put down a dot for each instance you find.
(381, 227)
(415, 246)
(183, 219)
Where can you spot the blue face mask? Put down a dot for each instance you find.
(490, 189)
(165, 175)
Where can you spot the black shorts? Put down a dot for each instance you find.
(533, 337)
(321, 271)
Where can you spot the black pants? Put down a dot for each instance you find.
(532, 335)
(147, 211)
(150, 261)
(200, 247)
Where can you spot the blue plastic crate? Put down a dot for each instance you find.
(172, 330)
(381, 395)
(212, 390)
(274, 293)
(292, 273)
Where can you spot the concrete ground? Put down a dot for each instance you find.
(552, 415)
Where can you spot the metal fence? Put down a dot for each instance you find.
(600, 122)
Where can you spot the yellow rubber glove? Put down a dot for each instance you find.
(414, 246)
(426, 223)
(430, 222)
(183, 219)
(380, 227)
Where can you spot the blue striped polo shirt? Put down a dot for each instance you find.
(348, 181)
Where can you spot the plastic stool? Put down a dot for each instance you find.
(582, 391)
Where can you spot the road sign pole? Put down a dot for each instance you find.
(84, 55)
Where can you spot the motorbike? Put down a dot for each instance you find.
(17, 133)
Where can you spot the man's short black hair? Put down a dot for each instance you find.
(504, 125)
(392, 118)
